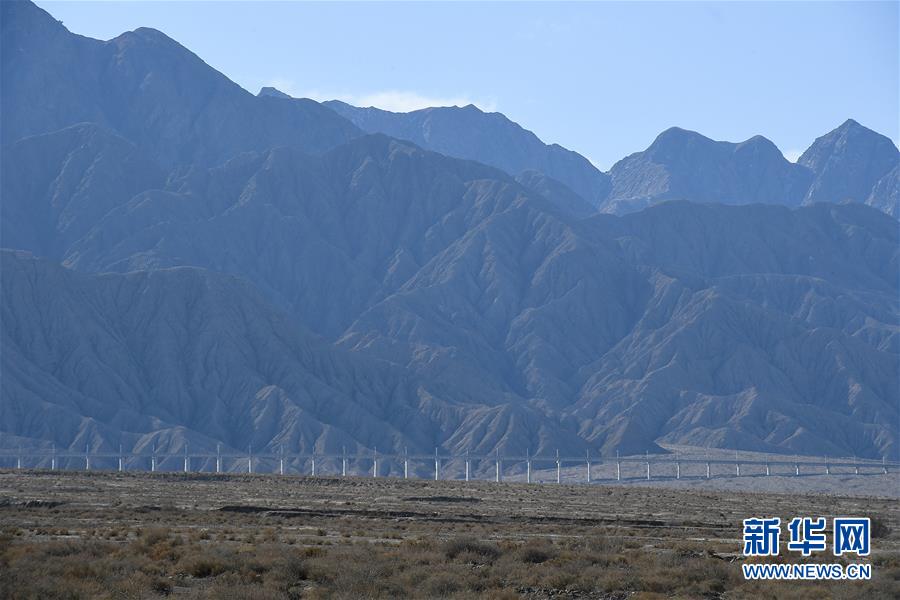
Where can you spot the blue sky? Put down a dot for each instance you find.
(600, 78)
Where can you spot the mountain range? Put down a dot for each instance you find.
(190, 263)
(850, 164)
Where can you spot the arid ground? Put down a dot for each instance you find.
(137, 535)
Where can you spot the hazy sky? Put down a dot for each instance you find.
(600, 78)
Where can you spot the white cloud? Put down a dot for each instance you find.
(793, 155)
(405, 101)
(392, 100)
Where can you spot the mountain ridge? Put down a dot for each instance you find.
(490, 138)
(679, 165)
(147, 88)
(457, 276)
(223, 268)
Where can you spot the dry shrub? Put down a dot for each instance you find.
(229, 587)
(536, 553)
(880, 529)
(441, 585)
(153, 535)
(466, 545)
(203, 566)
(159, 586)
(291, 569)
(602, 544)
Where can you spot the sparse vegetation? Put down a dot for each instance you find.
(553, 544)
(469, 547)
(536, 553)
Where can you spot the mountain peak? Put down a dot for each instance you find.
(149, 88)
(25, 10)
(150, 32)
(675, 136)
(850, 136)
(851, 148)
(24, 19)
(151, 35)
(759, 143)
(157, 51)
(683, 164)
(852, 127)
(676, 132)
(274, 93)
(675, 141)
(757, 139)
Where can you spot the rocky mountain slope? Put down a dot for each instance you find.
(183, 355)
(885, 194)
(56, 186)
(147, 88)
(851, 163)
(621, 330)
(684, 165)
(489, 138)
(258, 271)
